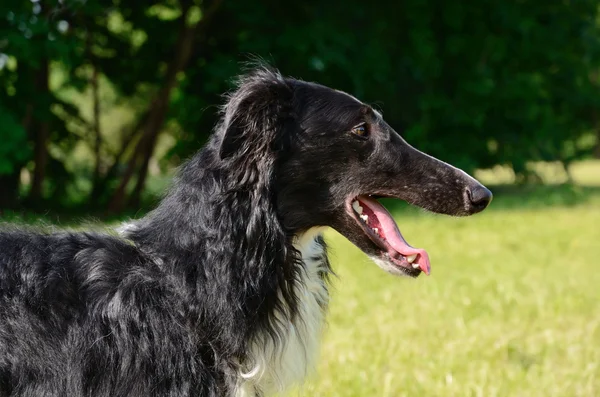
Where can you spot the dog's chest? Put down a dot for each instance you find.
(274, 367)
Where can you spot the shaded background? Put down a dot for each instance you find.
(100, 101)
(98, 96)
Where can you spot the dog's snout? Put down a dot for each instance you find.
(479, 197)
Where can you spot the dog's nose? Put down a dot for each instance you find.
(480, 197)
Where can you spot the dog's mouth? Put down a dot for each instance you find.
(377, 223)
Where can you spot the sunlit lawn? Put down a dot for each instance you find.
(512, 307)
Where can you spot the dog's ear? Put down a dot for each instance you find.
(231, 141)
(256, 110)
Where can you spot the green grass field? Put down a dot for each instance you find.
(512, 307)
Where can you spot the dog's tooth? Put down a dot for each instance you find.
(415, 265)
(376, 230)
(365, 218)
(411, 258)
(357, 207)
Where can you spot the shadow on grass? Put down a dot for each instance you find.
(506, 197)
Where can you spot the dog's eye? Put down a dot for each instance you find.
(361, 131)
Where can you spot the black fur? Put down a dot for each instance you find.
(170, 307)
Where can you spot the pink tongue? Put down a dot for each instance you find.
(393, 236)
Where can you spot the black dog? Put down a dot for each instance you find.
(221, 290)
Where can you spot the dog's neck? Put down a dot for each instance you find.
(273, 365)
(228, 253)
(210, 213)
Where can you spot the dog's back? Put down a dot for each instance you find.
(88, 314)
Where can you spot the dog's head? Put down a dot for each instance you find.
(325, 158)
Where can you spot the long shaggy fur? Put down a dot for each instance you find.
(172, 307)
(222, 289)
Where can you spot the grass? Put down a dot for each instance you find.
(512, 307)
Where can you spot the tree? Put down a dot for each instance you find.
(474, 83)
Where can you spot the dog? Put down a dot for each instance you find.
(222, 289)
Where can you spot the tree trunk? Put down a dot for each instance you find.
(97, 131)
(596, 126)
(95, 111)
(160, 105)
(41, 133)
(118, 199)
(9, 194)
(597, 148)
(595, 79)
(100, 187)
(136, 194)
(10, 183)
(145, 147)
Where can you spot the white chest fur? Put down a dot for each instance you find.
(274, 367)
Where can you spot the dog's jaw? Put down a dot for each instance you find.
(373, 230)
(389, 267)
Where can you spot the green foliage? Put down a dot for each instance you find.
(473, 83)
(13, 145)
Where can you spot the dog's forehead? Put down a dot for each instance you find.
(328, 93)
(332, 104)
(349, 96)
(366, 108)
